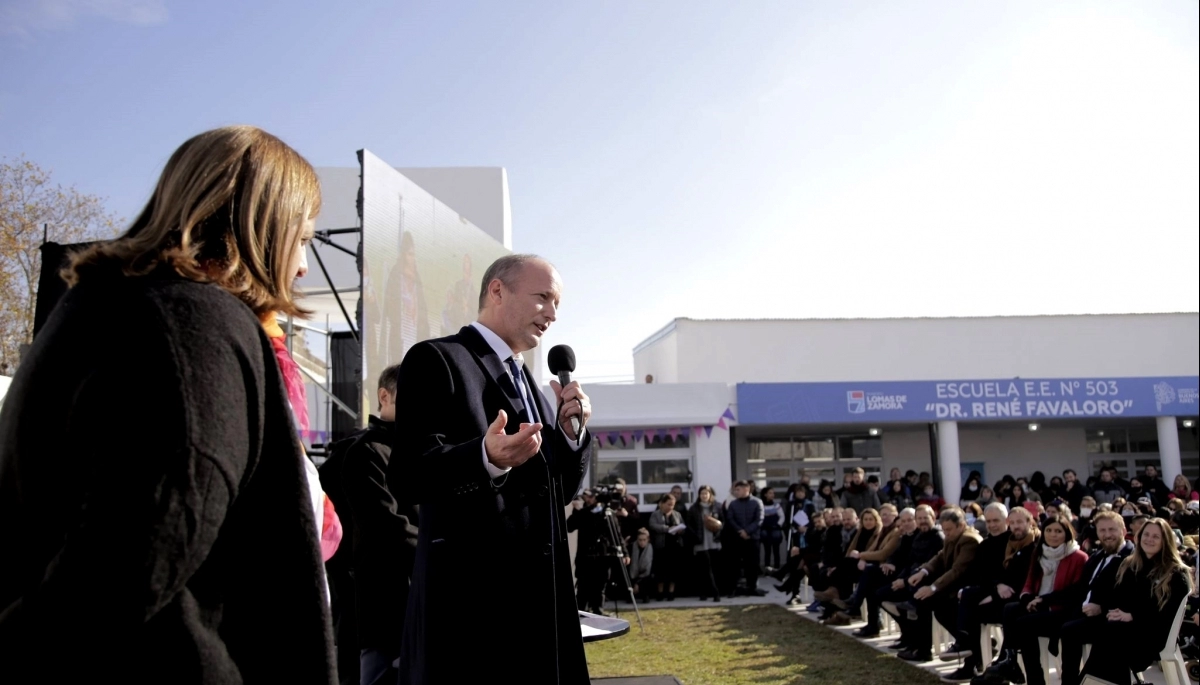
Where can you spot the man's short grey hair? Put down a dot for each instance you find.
(506, 269)
(952, 515)
(997, 506)
(908, 510)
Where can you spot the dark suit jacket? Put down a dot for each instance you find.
(1072, 596)
(492, 590)
(384, 543)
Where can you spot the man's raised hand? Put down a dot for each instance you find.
(508, 451)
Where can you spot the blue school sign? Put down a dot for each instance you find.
(966, 400)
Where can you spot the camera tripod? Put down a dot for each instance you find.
(616, 550)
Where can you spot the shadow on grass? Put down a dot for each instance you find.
(744, 645)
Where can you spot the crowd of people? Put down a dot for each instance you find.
(1104, 563)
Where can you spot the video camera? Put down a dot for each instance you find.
(608, 495)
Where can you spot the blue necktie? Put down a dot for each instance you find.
(531, 412)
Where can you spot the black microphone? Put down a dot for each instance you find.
(561, 360)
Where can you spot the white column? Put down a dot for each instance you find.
(948, 460)
(1168, 449)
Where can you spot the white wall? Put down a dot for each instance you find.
(713, 464)
(1018, 451)
(659, 357)
(658, 406)
(926, 349)
(904, 450)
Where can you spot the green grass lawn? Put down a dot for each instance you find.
(743, 645)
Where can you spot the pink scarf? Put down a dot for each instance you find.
(293, 381)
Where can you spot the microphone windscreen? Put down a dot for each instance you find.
(561, 358)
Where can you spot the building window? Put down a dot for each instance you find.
(779, 462)
(650, 466)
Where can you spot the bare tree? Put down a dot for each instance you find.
(30, 204)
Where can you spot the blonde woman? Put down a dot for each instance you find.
(162, 529)
(1151, 583)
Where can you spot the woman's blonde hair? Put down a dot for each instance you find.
(1165, 563)
(226, 210)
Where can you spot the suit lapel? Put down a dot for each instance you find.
(493, 367)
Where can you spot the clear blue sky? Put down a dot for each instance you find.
(703, 159)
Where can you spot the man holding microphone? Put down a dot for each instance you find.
(492, 465)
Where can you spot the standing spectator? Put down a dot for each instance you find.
(1153, 482)
(1056, 487)
(629, 518)
(1106, 491)
(704, 521)
(1037, 483)
(976, 519)
(680, 505)
(1137, 490)
(771, 534)
(986, 496)
(641, 565)
(970, 491)
(1073, 491)
(897, 495)
(667, 539)
(384, 539)
(893, 477)
(1183, 490)
(744, 519)
(1151, 583)
(591, 561)
(164, 524)
(824, 497)
(1016, 496)
(930, 498)
(857, 495)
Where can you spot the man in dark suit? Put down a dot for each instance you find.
(492, 465)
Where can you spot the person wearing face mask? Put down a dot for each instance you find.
(931, 498)
(1106, 489)
(970, 491)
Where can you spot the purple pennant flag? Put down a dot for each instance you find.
(627, 436)
(728, 415)
(674, 433)
(612, 438)
(697, 430)
(721, 424)
(662, 432)
(637, 436)
(708, 431)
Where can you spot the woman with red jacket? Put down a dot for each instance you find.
(1057, 564)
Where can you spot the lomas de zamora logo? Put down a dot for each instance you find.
(856, 401)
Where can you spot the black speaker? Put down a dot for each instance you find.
(345, 367)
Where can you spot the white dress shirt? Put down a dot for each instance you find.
(503, 351)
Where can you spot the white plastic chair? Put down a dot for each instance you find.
(941, 638)
(1170, 659)
(986, 633)
(1048, 660)
(806, 593)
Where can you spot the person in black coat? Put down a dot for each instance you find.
(384, 539)
(999, 575)
(1097, 588)
(160, 527)
(492, 475)
(1150, 585)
